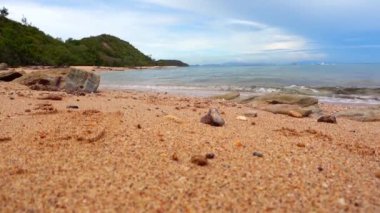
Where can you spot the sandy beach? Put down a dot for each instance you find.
(129, 151)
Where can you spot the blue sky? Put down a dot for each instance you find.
(220, 31)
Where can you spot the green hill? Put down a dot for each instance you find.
(22, 45)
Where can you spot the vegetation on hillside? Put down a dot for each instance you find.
(23, 44)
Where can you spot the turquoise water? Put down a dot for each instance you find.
(352, 83)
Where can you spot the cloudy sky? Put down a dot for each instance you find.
(219, 31)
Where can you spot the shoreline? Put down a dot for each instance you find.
(210, 93)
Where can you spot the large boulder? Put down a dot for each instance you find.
(80, 81)
(370, 114)
(9, 75)
(3, 66)
(68, 80)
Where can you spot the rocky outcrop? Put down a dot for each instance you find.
(278, 98)
(287, 109)
(80, 81)
(213, 118)
(3, 66)
(370, 114)
(9, 75)
(288, 104)
(68, 80)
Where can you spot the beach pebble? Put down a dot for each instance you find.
(242, 118)
(258, 154)
(210, 155)
(377, 174)
(72, 107)
(199, 160)
(213, 118)
(251, 114)
(3, 139)
(302, 145)
(327, 119)
(174, 157)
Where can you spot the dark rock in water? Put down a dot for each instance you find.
(213, 118)
(199, 160)
(227, 96)
(70, 80)
(370, 114)
(9, 75)
(72, 107)
(327, 119)
(258, 154)
(3, 66)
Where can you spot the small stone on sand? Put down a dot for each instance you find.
(3, 139)
(72, 107)
(302, 145)
(199, 160)
(258, 154)
(377, 174)
(327, 119)
(213, 118)
(251, 114)
(210, 155)
(242, 118)
(174, 157)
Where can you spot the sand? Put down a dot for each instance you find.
(131, 152)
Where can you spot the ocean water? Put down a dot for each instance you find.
(344, 83)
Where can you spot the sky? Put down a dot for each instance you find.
(219, 31)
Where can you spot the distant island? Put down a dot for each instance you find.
(25, 45)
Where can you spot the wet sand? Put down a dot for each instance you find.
(120, 151)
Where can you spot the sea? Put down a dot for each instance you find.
(330, 83)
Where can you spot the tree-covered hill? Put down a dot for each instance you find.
(22, 44)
